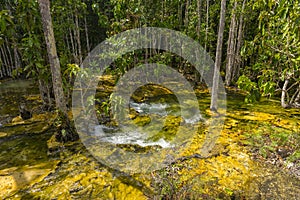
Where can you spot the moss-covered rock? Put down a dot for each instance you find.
(142, 120)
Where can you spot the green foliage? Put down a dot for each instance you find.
(250, 87)
(270, 141)
(69, 76)
(274, 47)
(295, 156)
(6, 23)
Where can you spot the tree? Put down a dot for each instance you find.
(52, 56)
(274, 52)
(66, 124)
(214, 91)
(231, 46)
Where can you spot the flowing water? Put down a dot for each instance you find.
(28, 171)
(132, 135)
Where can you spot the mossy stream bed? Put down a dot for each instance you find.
(256, 156)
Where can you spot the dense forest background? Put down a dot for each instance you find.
(261, 40)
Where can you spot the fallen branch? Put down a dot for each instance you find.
(196, 155)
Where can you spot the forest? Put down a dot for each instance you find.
(216, 117)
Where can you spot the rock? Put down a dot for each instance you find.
(142, 120)
(3, 134)
(54, 146)
(25, 113)
(17, 119)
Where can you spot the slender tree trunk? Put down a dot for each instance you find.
(238, 60)
(67, 42)
(8, 66)
(52, 55)
(198, 77)
(231, 47)
(207, 21)
(186, 17)
(284, 92)
(1, 68)
(17, 58)
(5, 62)
(199, 3)
(78, 38)
(87, 36)
(162, 10)
(297, 100)
(1, 73)
(295, 95)
(215, 86)
(73, 46)
(11, 63)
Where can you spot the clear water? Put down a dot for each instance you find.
(132, 135)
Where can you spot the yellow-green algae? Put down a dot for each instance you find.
(228, 172)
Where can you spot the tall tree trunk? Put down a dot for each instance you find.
(5, 62)
(78, 38)
(17, 58)
(238, 60)
(199, 3)
(74, 53)
(186, 15)
(207, 21)
(198, 77)
(52, 55)
(1, 73)
(231, 47)
(87, 36)
(215, 86)
(11, 63)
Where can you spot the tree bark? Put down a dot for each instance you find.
(297, 100)
(231, 47)
(11, 63)
(52, 55)
(199, 2)
(186, 15)
(74, 53)
(78, 38)
(284, 92)
(1, 73)
(238, 60)
(215, 86)
(17, 58)
(5, 62)
(87, 36)
(207, 21)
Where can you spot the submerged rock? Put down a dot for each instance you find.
(3, 134)
(24, 112)
(54, 146)
(17, 120)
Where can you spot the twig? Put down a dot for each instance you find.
(196, 155)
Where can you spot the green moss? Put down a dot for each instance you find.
(142, 120)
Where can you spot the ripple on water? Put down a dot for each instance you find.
(117, 136)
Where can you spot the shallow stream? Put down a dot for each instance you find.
(28, 171)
